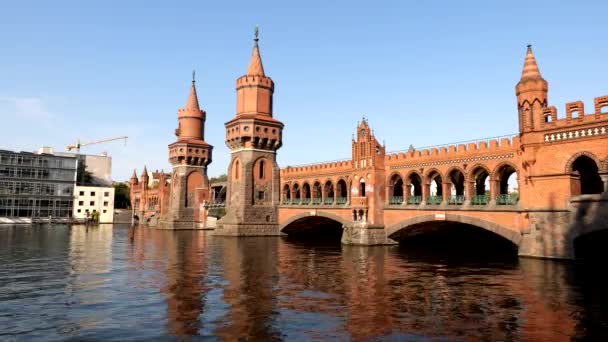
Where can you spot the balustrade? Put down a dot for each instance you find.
(329, 201)
(434, 200)
(317, 201)
(341, 200)
(414, 200)
(305, 201)
(396, 200)
(480, 200)
(507, 199)
(456, 200)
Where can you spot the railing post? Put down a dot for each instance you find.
(446, 192)
(469, 190)
(426, 191)
(494, 191)
(406, 193)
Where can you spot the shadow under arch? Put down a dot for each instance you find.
(397, 230)
(321, 227)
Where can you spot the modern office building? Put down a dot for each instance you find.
(36, 186)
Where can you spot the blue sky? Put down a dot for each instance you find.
(423, 72)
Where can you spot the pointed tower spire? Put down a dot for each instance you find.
(134, 179)
(255, 64)
(192, 102)
(531, 70)
(144, 173)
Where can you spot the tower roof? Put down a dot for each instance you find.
(134, 175)
(255, 64)
(144, 172)
(530, 70)
(192, 102)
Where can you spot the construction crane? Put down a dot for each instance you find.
(78, 145)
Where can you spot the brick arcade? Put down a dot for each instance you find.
(540, 189)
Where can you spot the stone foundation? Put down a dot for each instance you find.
(365, 234)
(244, 229)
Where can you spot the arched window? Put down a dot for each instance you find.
(236, 170)
(362, 188)
(261, 171)
(590, 181)
(481, 193)
(507, 185)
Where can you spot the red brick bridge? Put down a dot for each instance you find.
(540, 189)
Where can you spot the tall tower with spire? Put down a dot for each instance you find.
(189, 156)
(253, 137)
(531, 91)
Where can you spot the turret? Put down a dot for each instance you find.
(134, 180)
(253, 126)
(144, 177)
(531, 91)
(190, 147)
(191, 119)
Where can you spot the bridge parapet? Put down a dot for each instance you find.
(575, 114)
(317, 168)
(455, 150)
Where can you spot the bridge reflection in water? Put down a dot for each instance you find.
(145, 284)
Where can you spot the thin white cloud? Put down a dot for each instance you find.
(25, 108)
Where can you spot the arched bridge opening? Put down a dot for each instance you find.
(314, 229)
(591, 247)
(456, 240)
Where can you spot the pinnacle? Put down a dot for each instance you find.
(255, 64)
(530, 67)
(192, 102)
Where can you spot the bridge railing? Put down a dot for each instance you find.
(458, 144)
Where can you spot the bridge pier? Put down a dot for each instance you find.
(365, 234)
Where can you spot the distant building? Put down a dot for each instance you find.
(88, 199)
(36, 186)
(99, 166)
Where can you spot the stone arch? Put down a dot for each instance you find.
(194, 180)
(342, 190)
(476, 169)
(262, 168)
(457, 178)
(295, 188)
(430, 172)
(306, 190)
(235, 169)
(433, 175)
(456, 168)
(286, 193)
(575, 156)
(395, 187)
(585, 168)
(509, 234)
(496, 172)
(324, 214)
(329, 191)
(414, 182)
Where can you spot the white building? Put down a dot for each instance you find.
(94, 198)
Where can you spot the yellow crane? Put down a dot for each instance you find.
(78, 144)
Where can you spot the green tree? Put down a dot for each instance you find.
(220, 178)
(121, 196)
(83, 177)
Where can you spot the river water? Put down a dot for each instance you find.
(119, 283)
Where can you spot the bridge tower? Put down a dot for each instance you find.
(367, 190)
(189, 156)
(253, 136)
(531, 91)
